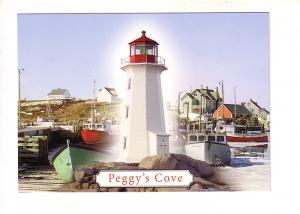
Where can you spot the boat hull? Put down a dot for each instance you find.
(247, 138)
(96, 136)
(209, 152)
(71, 157)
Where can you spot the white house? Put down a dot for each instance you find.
(59, 94)
(108, 95)
(257, 110)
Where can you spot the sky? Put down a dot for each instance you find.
(70, 50)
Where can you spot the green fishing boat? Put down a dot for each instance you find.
(73, 156)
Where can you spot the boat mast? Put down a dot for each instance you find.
(200, 128)
(234, 104)
(222, 86)
(93, 106)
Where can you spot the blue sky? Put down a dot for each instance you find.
(70, 50)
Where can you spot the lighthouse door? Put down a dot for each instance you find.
(162, 144)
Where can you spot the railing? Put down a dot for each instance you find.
(125, 60)
(158, 60)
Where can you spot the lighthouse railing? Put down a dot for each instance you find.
(125, 60)
(158, 60)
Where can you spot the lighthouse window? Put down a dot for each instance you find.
(140, 50)
(150, 50)
(127, 111)
(132, 51)
(129, 83)
(124, 142)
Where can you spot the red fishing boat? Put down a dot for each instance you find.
(95, 132)
(247, 138)
(98, 133)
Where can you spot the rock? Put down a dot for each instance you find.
(97, 166)
(89, 190)
(149, 189)
(183, 166)
(158, 162)
(117, 189)
(171, 189)
(75, 184)
(127, 167)
(80, 173)
(196, 188)
(103, 189)
(133, 189)
(85, 186)
(94, 186)
(89, 179)
(204, 169)
(209, 185)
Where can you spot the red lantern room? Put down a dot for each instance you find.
(143, 50)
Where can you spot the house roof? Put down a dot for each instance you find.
(189, 95)
(143, 40)
(57, 91)
(207, 93)
(240, 109)
(255, 103)
(265, 110)
(112, 91)
(258, 106)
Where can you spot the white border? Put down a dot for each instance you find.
(285, 56)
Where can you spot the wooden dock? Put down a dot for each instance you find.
(39, 178)
(35, 147)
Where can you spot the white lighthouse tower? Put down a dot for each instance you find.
(145, 131)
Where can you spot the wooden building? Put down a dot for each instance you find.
(231, 111)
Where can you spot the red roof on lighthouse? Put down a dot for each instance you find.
(143, 40)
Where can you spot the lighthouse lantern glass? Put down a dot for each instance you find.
(143, 53)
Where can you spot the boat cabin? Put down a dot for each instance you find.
(105, 126)
(206, 138)
(233, 129)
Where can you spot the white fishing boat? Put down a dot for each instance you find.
(212, 148)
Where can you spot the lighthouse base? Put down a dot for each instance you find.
(157, 143)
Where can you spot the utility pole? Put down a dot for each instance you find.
(93, 106)
(222, 86)
(19, 104)
(187, 115)
(178, 110)
(234, 103)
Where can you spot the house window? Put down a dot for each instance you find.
(124, 142)
(129, 83)
(127, 111)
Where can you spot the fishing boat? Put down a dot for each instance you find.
(72, 156)
(242, 136)
(93, 133)
(211, 147)
(97, 132)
